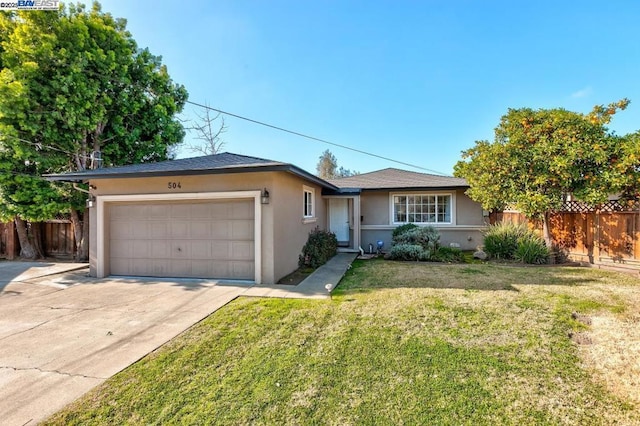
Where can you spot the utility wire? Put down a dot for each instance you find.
(261, 123)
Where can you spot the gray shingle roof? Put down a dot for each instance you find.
(210, 164)
(397, 179)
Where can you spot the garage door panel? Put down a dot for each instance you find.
(181, 249)
(241, 250)
(200, 229)
(118, 212)
(140, 229)
(119, 264)
(242, 210)
(158, 212)
(220, 250)
(157, 268)
(220, 210)
(138, 212)
(140, 250)
(212, 239)
(122, 231)
(220, 268)
(181, 211)
(201, 249)
(201, 268)
(179, 229)
(244, 270)
(241, 230)
(160, 249)
(201, 211)
(120, 248)
(140, 267)
(180, 268)
(220, 230)
(158, 230)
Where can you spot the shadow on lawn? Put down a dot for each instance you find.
(384, 274)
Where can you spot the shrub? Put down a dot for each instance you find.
(531, 249)
(408, 252)
(402, 229)
(501, 240)
(427, 237)
(509, 241)
(448, 254)
(320, 247)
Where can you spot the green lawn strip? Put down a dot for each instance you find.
(416, 350)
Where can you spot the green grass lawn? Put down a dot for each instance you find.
(399, 343)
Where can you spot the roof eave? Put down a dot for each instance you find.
(84, 177)
(419, 188)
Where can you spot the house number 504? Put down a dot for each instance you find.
(174, 185)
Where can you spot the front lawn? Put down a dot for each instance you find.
(399, 343)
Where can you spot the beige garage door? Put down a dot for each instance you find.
(213, 239)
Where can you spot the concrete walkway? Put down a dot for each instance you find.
(314, 286)
(62, 335)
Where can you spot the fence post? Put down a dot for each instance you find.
(12, 246)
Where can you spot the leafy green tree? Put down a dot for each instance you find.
(327, 167)
(538, 157)
(72, 83)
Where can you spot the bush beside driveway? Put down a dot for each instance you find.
(397, 343)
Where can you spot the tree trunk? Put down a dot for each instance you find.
(546, 233)
(81, 233)
(36, 238)
(27, 251)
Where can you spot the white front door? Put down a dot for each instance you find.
(339, 218)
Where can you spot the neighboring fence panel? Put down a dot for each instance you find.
(59, 239)
(610, 234)
(8, 241)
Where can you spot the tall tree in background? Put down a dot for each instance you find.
(327, 167)
(538, 157)
(72, 83)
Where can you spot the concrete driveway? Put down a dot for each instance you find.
(61, 335)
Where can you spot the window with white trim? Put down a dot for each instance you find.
(308, 207)
(422, 208)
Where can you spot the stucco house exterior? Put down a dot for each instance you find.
(230, 216)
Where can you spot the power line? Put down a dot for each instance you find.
(261, 123)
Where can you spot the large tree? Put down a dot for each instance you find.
(74, 83)
(538, 157)
(327, 167)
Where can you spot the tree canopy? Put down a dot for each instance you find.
(538, 157)
(327, 167)
(74, 82)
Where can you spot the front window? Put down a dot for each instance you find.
(307, 211)
(422, 208)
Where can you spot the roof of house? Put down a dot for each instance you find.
(399, 179)
(210, 164)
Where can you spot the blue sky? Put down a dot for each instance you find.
(418, 81)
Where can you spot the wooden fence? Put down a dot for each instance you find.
(609, 234)
(8, 241)
(57, 239)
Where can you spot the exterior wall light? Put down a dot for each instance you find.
(265, 196)
(91, 201)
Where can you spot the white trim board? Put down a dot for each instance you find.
(441, 227)
(184, 196)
